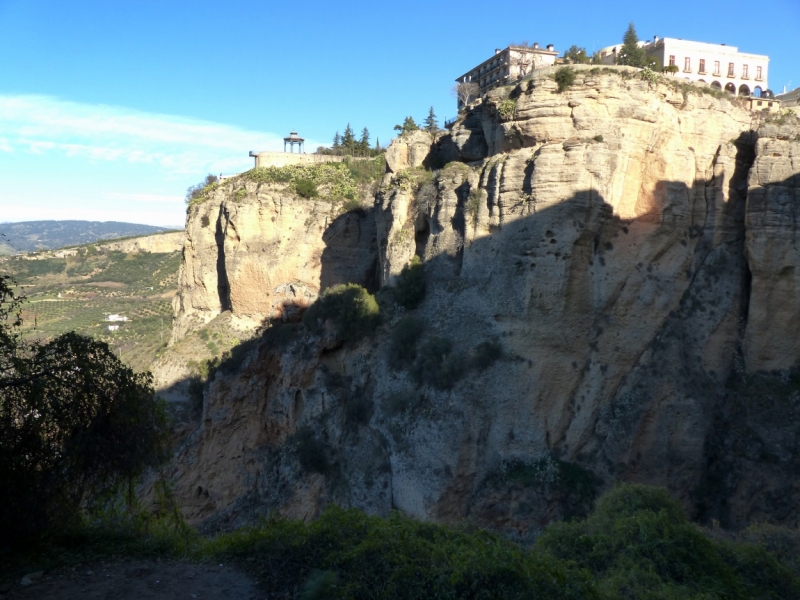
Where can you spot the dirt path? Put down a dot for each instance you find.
(130, 580)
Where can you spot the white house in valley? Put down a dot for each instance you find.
(718, 65)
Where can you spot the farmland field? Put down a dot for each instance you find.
(80, 292)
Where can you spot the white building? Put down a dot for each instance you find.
(718, 65)
(116, 318)
(508, 65)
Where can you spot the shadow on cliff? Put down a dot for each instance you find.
(637, 404)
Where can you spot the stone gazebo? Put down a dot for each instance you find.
(292, 140)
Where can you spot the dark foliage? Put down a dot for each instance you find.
(409, 291)
(306, 188)
(438, 365)
(75, 425)
(403, 344)
(352, 310)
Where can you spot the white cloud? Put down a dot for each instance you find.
(173, 144)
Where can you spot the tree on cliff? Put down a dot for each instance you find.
(196, 191)
(631, 54)
(465, 92)
(348, 139)
(408, 125)
(577, 56)
(431, 126)
(76, 426)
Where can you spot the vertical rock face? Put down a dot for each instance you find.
(261, 256)
(631, 248)
(773, 239)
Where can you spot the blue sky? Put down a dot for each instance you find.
(110, 110)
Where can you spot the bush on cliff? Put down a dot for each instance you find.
(77, 427)
(565, 77)
(350, 308)
(409, 291)
(403, 344)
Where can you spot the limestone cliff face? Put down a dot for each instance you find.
(631, 248)
(260, 255)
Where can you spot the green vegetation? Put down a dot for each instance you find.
(636, 544)
(598, 138)
(333, 182)
(670, 69)
(409, 291)
(564, 77)
(348, 145)
(430, 123)
(306, 188)
(403, 344)
(507, 109)
(639, 544)
(577, 56)
(473, 206)
(77, 427)
(352, 310)
(198, 193)
(438, 364)
(408, 126)
(77, 293)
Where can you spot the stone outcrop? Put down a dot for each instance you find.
(408, 151)
(267, 255)
(631, 248)
(159, 242)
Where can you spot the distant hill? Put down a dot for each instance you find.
(28, 236)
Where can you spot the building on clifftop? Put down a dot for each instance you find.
(722, 67)
(506, 66)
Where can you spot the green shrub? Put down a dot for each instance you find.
(438, 365)
(403, 345)
(333, 181)
(507, 109)
(306, 188)
(398, 558)
(409, 291)
(352, 204)
(486, 354)
(240, 195)
(352, 309)
(638, 544)
(598, 138)
(565, 77)
(473, 206)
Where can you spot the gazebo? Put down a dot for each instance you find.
(292, 140)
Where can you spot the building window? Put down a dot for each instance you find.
(702, 65)
(716, 67)
(671, 60)
(731, 71)
(687, 65)
(759, 74)
(745, 74)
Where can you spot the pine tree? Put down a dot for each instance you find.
(431, 126)
(377, 145)
(337, 140)
(408, 125)
(363, 144)
(631, 54)
(348, 139)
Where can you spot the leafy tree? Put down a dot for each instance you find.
(194, 192)
(577, 55)
(631, 54)
(76, 426)
(431, 126)
(408, 125)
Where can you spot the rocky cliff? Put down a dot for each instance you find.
(611, 277)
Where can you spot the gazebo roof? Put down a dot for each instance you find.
(293, 137)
